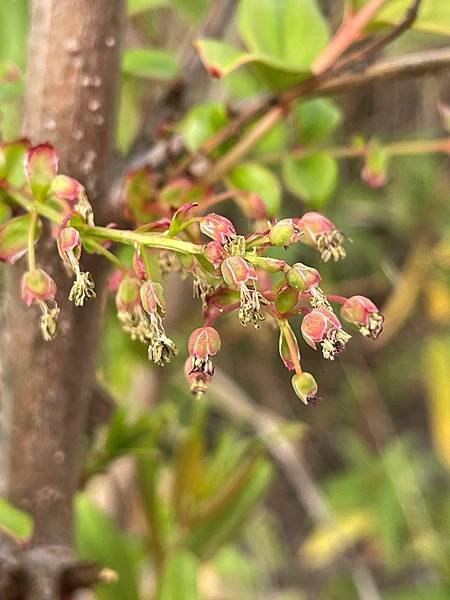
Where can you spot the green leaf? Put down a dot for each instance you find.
(313, 178)
(99, 539)
(317, 119)
(12, 158)
(150, 64)
(5, 212)
(290, 33)
(220, 58)
(274, 141)
(14, 238)
(207, 538)
(434, 15)
(179, 578)
(253, 177)
(202, 122)
(16, 522)
(192, 9)
(138, 6)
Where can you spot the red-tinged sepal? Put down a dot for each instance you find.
(285, 350)
(363, 313)
(321, 326)
(218, 228)
(302, 277)
(128, 297)
(236, 271)
(284, 233)
(305, 387)
(204, 343)
(180, 217)
(322, 234)
(69, 248)
(14, 238)
(374, 171)
(139, 265)
(39, 288)
(37, 285)
(214, 253)
(41, 168)
(67, 188)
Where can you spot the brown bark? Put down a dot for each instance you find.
(71, 96)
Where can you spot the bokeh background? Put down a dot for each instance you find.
(348, 500)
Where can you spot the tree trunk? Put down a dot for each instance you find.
(70, 101)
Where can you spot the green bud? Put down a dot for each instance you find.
(305, 387)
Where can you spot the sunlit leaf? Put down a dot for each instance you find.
(253, 177)
(150, 63)
(313, 178)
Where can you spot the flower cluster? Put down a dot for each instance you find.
(230, 272)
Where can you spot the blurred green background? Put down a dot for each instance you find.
(248, 494)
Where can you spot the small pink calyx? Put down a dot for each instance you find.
(37, 285)
(68, 239)
(322, 326)
(67, 188)
(218, 228)
(363, 313)
(236, 272)
(203, 344)
(322, 234)
(152, 298)
(302, 277)
(128, 296)
(214, 253)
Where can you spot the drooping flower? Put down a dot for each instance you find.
(39, 288)
(284, 233)
(204, 343)
(217, 227)
(321, 326)
(322, 234)
(363, 313)
(306, 280)
(214, 253)
(69, 248)
(198, 381)
(161, 348)
(238, 274)
(305, 387)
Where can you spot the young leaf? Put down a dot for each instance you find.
(291, 33)
(317, 119)
(179, 577)
(253, 177)
(41, 168)
(202, 122)
(150, 64)
(14, 238)
(433, 17)
(220, 58)
(98, 538)
(313, 178)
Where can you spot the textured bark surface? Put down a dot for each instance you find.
(71, 94)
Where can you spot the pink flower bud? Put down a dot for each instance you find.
(363, 313)
(128, 296)
(67, 188)
(37, 285)
(322, 234)
(237, 272)
(322, 326)
(374, 172)
(302, 277)
(217, 227)
(305, 387)
(152, 298)
(69, 239)
(214, 253)
(374, 179)
(284, 233)
(204, 343)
